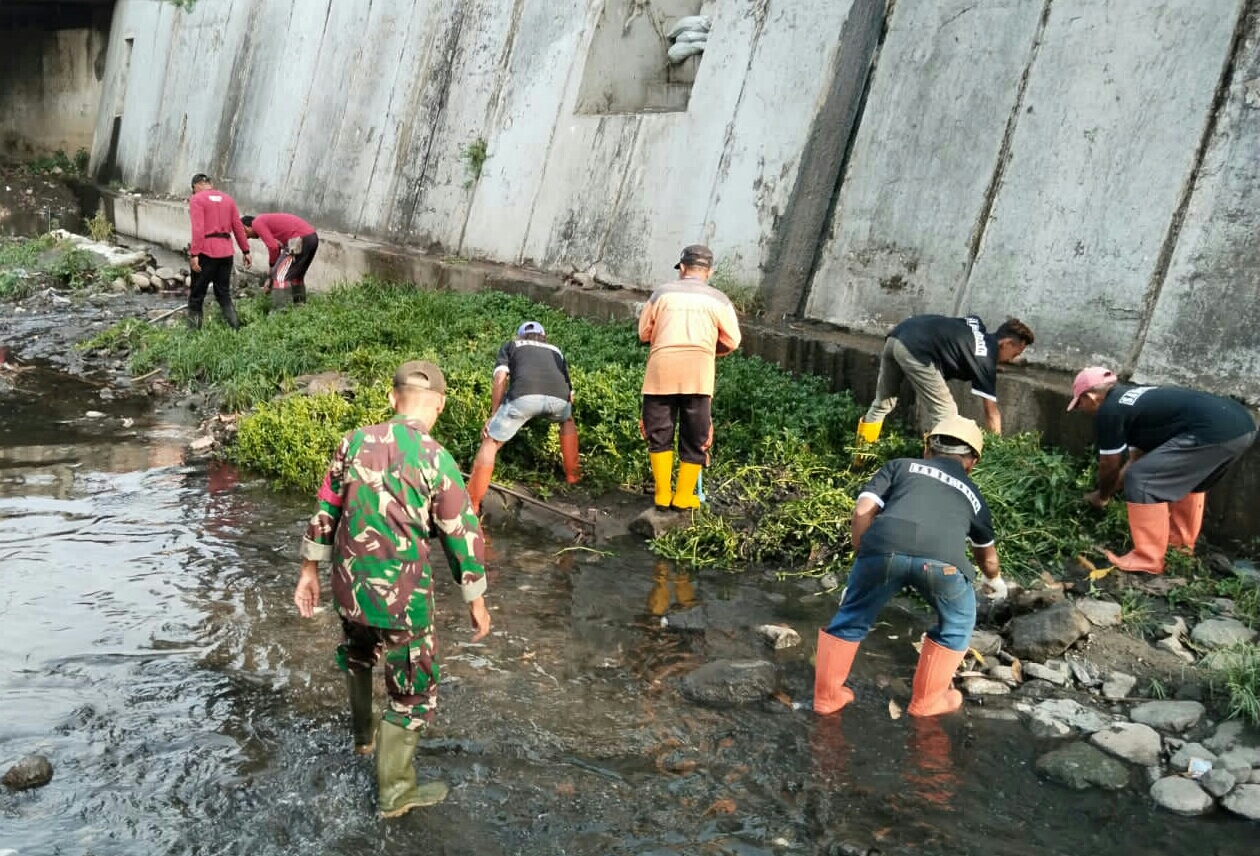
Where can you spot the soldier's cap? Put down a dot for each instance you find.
(958, 431)
(1086, 379)
(419, 374)
(530, 327)
(200, 177)
(695, 255)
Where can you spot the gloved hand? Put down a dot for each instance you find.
(993, 588)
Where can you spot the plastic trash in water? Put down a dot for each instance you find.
(700, 487)
(1199, 767)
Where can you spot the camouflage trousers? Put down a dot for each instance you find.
(412, 670)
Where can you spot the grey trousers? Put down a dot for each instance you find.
(1182, 465)
(897, 364)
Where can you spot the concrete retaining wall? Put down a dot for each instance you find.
(365, 121)
(51, 90)
(1056, 160)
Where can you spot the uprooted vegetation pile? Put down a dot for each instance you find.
(61, 261)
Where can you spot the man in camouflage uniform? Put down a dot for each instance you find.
(389, 489)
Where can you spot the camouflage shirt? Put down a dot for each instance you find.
(389, 489)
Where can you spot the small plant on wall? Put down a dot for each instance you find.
(474, 155)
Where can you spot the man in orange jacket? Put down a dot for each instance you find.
(689, 324)
(909, 527)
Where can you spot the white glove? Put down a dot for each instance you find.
(993, 588)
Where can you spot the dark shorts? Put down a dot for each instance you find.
(692, 415)
(1182, 465)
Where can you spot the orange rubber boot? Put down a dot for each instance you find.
(569, 451)
(1148, 523)
(1185, 519)
(831, 670)
(933, 690)
(478, 484)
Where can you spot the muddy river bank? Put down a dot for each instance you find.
(152, 652)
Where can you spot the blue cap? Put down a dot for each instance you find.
(530, 327)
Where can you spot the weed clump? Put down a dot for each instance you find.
(29, 264)
(781, 486)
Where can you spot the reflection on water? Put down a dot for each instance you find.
(151, 650)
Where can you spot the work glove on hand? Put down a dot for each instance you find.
(994, 589)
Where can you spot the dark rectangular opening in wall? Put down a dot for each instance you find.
(108, 169)
(629, 68)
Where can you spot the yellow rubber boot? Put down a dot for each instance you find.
(868, 432)
(662, 473)
(685, 494)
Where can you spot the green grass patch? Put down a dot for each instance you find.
(1236, 670)
(27, 264)
(781, 486)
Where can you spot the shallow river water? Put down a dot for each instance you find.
(149, 647)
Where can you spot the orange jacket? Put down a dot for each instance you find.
(688, 324)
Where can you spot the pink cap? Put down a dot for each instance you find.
(1087, 379)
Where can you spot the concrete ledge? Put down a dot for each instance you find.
(1032, 399)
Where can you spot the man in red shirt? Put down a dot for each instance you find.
(291, 244)
(215, 221)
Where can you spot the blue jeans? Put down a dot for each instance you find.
(874, 581)
(515, 412)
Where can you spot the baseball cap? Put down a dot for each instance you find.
(420, 374)
(960, 428)
(198, 178)
(695, 254)
(1087, 379)
(530, 327)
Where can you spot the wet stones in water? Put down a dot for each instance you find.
(1081, 766)
(1130, 741)
(977, 686)
(1220, 633)
(1054, 671)
(1168, 715)
(1181, 796)
(1228, 734)
(1239, 760)
(1244, 800)
(723, 683)
(1218, 782)
(33, 771)
(1100, 613)
(1060, 717)
(778, 636)
(1180, 760)
(689, 620)
(1047, 633)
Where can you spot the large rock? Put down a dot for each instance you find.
(1228, 734)
(1218, 782)
(1180, 760)
(1118, 685)
(1239, 758)
(1101, 613)
(1059, 717)
(1244, 800)
(653, 523)
(986, 642)
(1047, 633)
(1048, 672)
(1130, 741)
(1080, 766)
(1220, 633)
(33, 771)
(1181, 796)
(1168, 715)
(729, 682)
(978, 686)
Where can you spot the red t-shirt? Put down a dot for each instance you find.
(214, 218)
(275, 230)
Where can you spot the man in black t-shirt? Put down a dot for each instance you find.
(531, 379)
(909, 526)
(928, 350)
(1179, 443)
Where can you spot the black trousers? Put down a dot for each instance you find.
(693, 416)
(214, 272)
